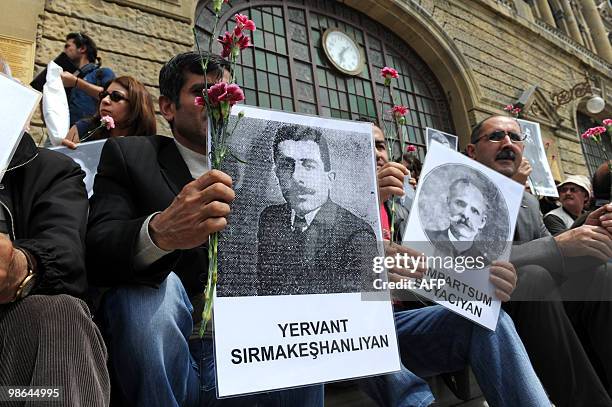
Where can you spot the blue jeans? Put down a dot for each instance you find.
(153, 362)
(434, 340)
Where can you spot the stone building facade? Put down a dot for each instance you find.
(468, 58)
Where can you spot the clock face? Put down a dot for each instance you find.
(342, 51)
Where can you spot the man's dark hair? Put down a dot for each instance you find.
(476, 129)
(302, 133)
(81, 40)
(367, 120)
(172, 74)
(601, 183)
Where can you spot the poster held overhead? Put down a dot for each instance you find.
(541, 180)
(446, 139)
(295, 302)
(463, 219)
(17, 105)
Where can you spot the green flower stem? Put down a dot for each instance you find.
(91, 133)
(389, 147)
(398, 129)
(392, 225)
(211, 282)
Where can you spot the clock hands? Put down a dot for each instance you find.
(341, 55)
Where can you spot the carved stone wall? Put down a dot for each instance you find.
(485, 53)
(507, 52)
(134, 37)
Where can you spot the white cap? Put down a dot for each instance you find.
(579, 180)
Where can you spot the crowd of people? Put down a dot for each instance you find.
(142, 238)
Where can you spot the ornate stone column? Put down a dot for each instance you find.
(546, 12)
(598, 30)
(572, 25)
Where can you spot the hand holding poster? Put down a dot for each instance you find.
(296, 259)
(462, 220)
(16, 107)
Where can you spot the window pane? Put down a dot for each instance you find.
(301, 51)
(270, 41)
(258, 40)
(283, 68)
(264, 99)
(281, 48)
(298, 33)
(279, 25)
(250, 97)
(260, 60)
(249, 78)
(274, 84)
(305, 91)
(287, 104)
(275, 102)
(272, 66)
(262, 81)
(268, 25)
(256, 17)
(297, 16)
(303, 71)
(307, 108)
(285, 86)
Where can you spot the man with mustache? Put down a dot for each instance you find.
(467, 208)
(310, 245)
(544, 262)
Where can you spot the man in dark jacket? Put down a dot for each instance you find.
(47, 335)
(544, 262)
(154, 205)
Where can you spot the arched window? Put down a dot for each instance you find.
(287, 68)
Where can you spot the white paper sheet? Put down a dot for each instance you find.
(541, 180)
(248, 314)
(492, 197)
(17, 104)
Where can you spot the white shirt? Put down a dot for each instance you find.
(460, 245)
(147, 251)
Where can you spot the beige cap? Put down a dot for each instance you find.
(579, 180)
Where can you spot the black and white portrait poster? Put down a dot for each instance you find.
(463, 218)
(295, 301)
(541, 180)
(87, 155)
(446, 139)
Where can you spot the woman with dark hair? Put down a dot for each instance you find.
(128, 103)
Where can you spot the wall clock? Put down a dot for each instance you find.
(343, 52)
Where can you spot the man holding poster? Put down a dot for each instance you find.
(434, 340)
(543, 262)
(154, 205)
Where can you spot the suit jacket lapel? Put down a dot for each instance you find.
(522, 222)
(320, 231)
(173, 167)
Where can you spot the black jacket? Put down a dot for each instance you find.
(136, 177)
(44, 195)
(334, 255)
